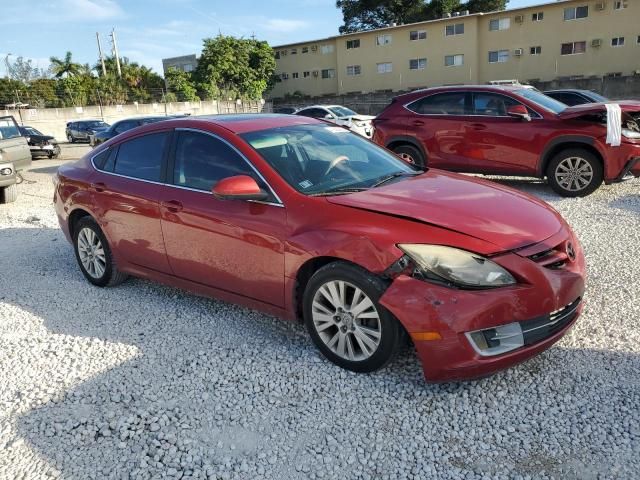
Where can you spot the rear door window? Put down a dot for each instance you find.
(492, 104)
(450, 103)
(142, 157)
(314, 113)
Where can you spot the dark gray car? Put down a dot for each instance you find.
(14, 156)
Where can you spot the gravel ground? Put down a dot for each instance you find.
(145, 381)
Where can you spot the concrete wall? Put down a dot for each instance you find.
(523, 32)
(53, 121)
(615, 88)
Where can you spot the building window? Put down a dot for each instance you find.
(417, 64)
(284, 76)
(294, 75)
(384, 67)
(617, 42)
(453, 60)
(277, 55)
(383, 39)
(328, 73)
(573, 13)
(306, 74)
(417, 35)
(535, 50)
(305, 49)
(619, 5)
(573, 48)
(189, 68)
(457, 29)
(537, 17)
(325, 49)
(499, 24)
(283, 53)
(353, 70)
(638, 40)
(294, 51)
(499, 56)
(353, 44)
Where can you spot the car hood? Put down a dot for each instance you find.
(41, 138)
(589, 108)
(490, 212)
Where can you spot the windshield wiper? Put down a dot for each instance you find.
(387, 178)
(339, 190)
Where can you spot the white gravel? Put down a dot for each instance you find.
(144, 381)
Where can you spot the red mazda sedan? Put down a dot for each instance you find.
(305, 220)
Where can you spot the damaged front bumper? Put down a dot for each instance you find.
(541, 308)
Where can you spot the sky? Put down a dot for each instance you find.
(149, 30)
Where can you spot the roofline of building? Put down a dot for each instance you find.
(424, 22)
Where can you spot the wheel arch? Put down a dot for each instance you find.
(564, 143)
(397, 141)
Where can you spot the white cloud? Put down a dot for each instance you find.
(91, 9)
(284, 25)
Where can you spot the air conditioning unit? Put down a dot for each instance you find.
(316, 73)
(314, 48)
(517, 52)
(596, 42)
(601, 5)
(519, 19)
(455, 14)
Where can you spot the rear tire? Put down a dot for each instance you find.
(345, 320)
(9, 194)
(574, 172)
(410, 154)
(94, 254)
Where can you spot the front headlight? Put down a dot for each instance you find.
(630, 134)
(456, 266)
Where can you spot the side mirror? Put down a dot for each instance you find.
(519, 111)
(239, 187)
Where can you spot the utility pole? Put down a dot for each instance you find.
(7, 64)
(104, 69)
(115, 51)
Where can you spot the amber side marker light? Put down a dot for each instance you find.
(425, 336)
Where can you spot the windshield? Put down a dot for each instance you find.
(8, 128)
(597, 97)
(32, 131)
(541, 99)
(96, 124)
(341, 111)
(320, 159)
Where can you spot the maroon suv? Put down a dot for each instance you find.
(511, 130)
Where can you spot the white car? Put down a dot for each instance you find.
(360, 124)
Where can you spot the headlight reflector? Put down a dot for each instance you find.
(457, 266)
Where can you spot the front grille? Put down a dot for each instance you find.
(538, 329)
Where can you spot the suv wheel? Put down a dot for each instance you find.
(410, 154)
(9, 194)
(574, 173)
(94, 255)
(70, 138)
(345, 320)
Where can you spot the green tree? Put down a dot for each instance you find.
(181, 85)
(42, 93)
(65, 67)
(22, 70)
(369, 14)
(235, 68)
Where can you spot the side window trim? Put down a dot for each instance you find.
(473, 93)
(171, 164)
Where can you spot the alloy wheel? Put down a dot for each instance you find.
(574, 174)
(346, 320)
(91, 253)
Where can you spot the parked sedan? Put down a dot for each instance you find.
(123, 126)
(41, 145)
(573, 97)
(82, 129)
(308, 221)
(343, 116)
(512, 130)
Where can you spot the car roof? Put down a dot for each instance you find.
(576, 90)
(453, 88)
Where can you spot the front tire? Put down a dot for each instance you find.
(9, 194)
(575, 172)
(410, 154)
(94, 255)
(345, 320)
(71, 139)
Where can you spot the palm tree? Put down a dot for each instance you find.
(64, 67)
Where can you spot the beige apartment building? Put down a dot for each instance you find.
(570, 38)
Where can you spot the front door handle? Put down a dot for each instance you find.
(98, 187)
(418, 123)
(172, 205)
(478, 126)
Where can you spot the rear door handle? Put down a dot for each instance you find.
(98, 187)
(478, 126)
(418, 123)
(172, 205)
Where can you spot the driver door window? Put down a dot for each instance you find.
(491, 104)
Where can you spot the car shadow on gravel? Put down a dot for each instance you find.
(628, 202)
(181, 384)
(46, 170)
